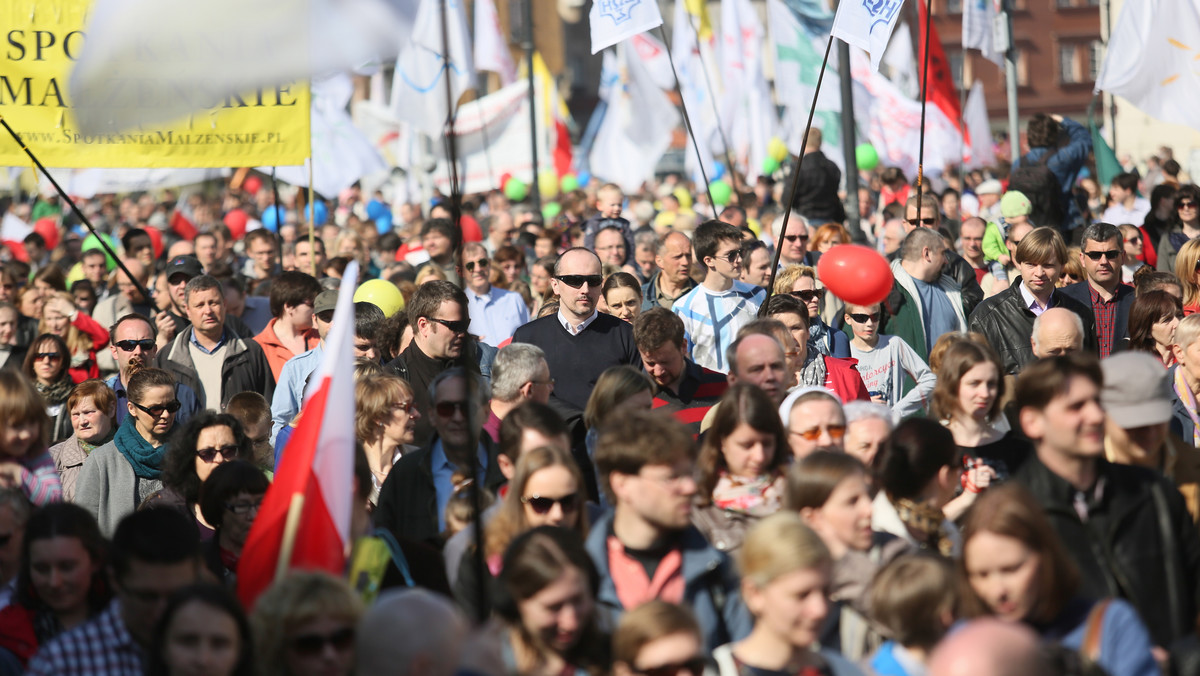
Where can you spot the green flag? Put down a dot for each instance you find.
(1107, 165)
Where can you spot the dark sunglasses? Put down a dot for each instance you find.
(482, 264)
(447, 408)
(735, 255)
(543, 505)
(210, 454)
(146, 344)
(458, 326)
(864, 318)
(694, 666)
(576, 281)
(311, 645)
(1111, 254)
(1185, 204)
(156, 411)
(52, 356)
(805, 296)
(793, 238)
(921, 221)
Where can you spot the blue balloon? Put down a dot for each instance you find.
(320, 211)
(584, 178)
(718, 171)
(270, 219)
(384, 224)
(376, 210)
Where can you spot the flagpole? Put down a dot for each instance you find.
(527, 44)
(75, 210)
(924, 94)
(787, 210)
(712, 99)
(275, 202)
(291, 527)
(687, 120)
(312, 220)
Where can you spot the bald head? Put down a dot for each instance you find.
(410, 631)
(989, 647)
(1056, 332)
(759, 360)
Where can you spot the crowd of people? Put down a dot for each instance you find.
(638, 437)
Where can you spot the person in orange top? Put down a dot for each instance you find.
(290, 331)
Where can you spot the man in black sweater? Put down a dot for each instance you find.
(817, 192)
(579, 341)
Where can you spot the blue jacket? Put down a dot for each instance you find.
(1181, 423)
(1124, 642)
(1065, 165)
(1081, 292)
(712, 588)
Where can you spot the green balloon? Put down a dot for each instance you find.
(721, 192)
(551, 210)
(866, 156)
(570, 182)
(90, 242)
(516, 190)
(770, 166)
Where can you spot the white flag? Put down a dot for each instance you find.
(637, 128)
(491, 49)
(418, 91)
(797, 58)
(654, 56)
(975, 115)
(747, 109)
(1151, 60)
(615, 20)
(188, 56)
(978, 20)
(867, 24)
(901, 62)
(698, 96)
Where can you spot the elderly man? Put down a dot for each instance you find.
(519, 374)
(673, 279)
(794, 243)
(1056, 332)
(759, 360)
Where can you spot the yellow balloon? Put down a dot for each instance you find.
(382, 294)
(777, 149)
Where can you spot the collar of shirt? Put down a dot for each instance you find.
(203, 349)
(576, 330)
(482, 298)
(1031, 302)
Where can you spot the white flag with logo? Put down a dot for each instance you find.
(867, 24)
(491, 49)
(975, 115)
(978, 19)
(615, 20)
(637, 128)
(747, 109)
(1152, 55)
(418, 88)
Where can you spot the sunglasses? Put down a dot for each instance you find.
(146, 344)
(459, 326)
(52, 356)
(243, 508)
(1186, 204)
(576, 281)
(806, 296)
(406, 406)
(793, 238)
(694, 666)
(210, 454)
(311, 645)
(156, 411)
(860, 318)
(447, 408)
(482, 264)
(835, 432)
(921, 221)
(1111, 254)
(542, 505)
(735, 255)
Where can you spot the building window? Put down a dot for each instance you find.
(1064, 4)
(956, 66)
(1069, 71)
(954, 6)
(1022, 63)
(1095, 59)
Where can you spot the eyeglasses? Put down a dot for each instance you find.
(210, 454)
(807, 295)
(243, 508)
(548, 381)
(482, 264)
(921, 221)
(311, 645)
(859, 318)
(735, 255)
(52, 356)
(835, 432)
(542, 505)
(694, 666)
(576, 281)
(1185, 204)
(1111, 254)
(157, 411)
(793, 238)
(457, 326)
(146, 344)
(448, 408)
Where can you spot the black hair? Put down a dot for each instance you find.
(179, 465)
(215, 597)
(367, 319)
(64, 519)
(224, 483)
(155, 536)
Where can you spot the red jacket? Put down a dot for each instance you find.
(842, 377)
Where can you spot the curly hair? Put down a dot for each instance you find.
(179, 465)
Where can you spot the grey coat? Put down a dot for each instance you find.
(68, 460)
(108, 488)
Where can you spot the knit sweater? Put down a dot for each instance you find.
(576, 362)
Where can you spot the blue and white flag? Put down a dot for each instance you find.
(867, 24)
(616, 20)
(418, 87)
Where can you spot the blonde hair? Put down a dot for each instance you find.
(1188, 331)
(20, 403)
(375, 396)
(430, 273)
(780, 544)
(792, 274)
(298, 598)
(77, 341)
(1185, 270)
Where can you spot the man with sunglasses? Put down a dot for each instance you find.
(713, 312)
(125, 301)
(925, 302)
(495, 313)
(133, 337)
(1103, 256)
(580, 342)
(929, 216)
(793, 244)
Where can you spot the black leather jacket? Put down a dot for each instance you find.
(1008, 324)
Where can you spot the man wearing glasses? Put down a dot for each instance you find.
(793, 243)
(1102, 257)
(133, 336)
(579, 341)
(495, 313)
(929, 216)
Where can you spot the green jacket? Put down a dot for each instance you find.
(902, 314)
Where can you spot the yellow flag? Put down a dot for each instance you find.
(699, 9)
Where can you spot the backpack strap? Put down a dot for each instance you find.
(398, 556)
(1093, 630)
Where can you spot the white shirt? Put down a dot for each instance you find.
(576, 330)
(1119, 214)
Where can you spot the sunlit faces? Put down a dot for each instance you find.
(89, 422)
(675, 258)
(611, 246)
(845, 518)
(816, 425)
(1003, 571)
(728, 259)
(558, 614)
(61, 570)
(579, 302)
(659, 494)
(439, 340)
(1072, 424)
(160, 399)
(48, 361)
(206, 311)
(623, 303)
(793, 606)
(1040, 278)
(1163, 331)
(864, 438)
(215, 445)
(761, 362)
(555, 487)
(1102, 261)
(757, 270)
(805, 288)
(977, 390)
(8, 325)
(665, 364)
(747, 451)
(402, 425)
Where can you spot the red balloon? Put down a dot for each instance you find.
(252, 185)
(17, 249)
(236, 220)
(155, 236)
(504, 179)
(856, 274)
(47, 227)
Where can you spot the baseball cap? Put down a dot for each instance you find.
(1015, 203)
(989, 187)
(188, 265)
(326, 300)
(1136, 390)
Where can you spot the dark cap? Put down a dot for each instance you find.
(326, 300)
(188, 265)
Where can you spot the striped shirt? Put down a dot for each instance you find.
(101, 647)
(711, 320)
(699, 390)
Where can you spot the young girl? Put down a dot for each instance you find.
(25, 461)
(884, 360)
(913, 600)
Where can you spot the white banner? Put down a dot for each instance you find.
(491, 49)
(615, 20)
(418, 91)
(637, 127)
(867, 25)
(975, 115)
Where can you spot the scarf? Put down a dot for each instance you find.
(1189, 404)
(926, 524)
(56, 393)
(757, 497)
(87, 448)
(145, 459)
(814, 371)
(819, 339)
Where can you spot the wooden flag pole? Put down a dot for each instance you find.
(291, 527)
(924, 95)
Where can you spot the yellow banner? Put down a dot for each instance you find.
(42, 41)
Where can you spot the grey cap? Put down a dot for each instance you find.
(989, 187)
(1137, 391)
(326, 300)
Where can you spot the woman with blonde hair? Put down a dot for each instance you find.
(800, 281)
(1189, 277)
(82, 334)
(305, 624)
(385, 423)
(785, 572)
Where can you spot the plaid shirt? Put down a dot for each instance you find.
(1105, 312)
(101, 647)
